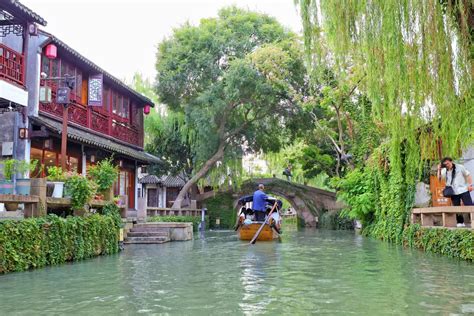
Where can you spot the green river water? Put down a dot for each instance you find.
(308, 272)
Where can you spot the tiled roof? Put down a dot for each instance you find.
(166, 181)
(90, 64)
(96, 141)
(150, 179)
(173, 182)
(18, 7)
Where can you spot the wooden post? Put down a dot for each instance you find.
(64, 139)
(38, 188)
(449, 220)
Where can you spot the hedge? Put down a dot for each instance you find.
(180, 219)
(457, 243)
(37, 242)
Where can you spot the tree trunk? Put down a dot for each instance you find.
(201, 173)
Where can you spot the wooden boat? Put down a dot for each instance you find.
(246, 230)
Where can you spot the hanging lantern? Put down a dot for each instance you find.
(51, 51)
(146, 109)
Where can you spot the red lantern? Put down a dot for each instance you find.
(51, 51)
(146, 109)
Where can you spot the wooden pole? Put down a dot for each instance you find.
(64, 139)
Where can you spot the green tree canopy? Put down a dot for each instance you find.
(235, 78)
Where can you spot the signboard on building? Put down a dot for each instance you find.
(62, 95)
(95, 88)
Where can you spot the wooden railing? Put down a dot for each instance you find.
(96, 121)
(12, 67)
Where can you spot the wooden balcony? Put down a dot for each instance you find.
(97, 121)
(12, 67)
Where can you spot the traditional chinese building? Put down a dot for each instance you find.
(18, 26)
(104, 116)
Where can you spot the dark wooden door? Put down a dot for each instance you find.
(152, 198)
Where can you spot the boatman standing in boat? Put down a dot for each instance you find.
(259, 203)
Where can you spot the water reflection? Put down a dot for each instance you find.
(309, 272)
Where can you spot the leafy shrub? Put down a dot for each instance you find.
(13, 166)
(179, 219)
(37, 242)
(56, 174)
(356, 190)
(104, 174)
(457, 243)
(112, 210)
(81, 190)
(221, 206)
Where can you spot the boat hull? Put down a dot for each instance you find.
(246, 232)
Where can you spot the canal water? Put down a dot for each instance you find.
(308, 272)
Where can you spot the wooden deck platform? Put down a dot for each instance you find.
(444, 216)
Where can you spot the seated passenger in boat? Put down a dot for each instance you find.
(259, 203)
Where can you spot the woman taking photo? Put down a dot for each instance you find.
(458, 184)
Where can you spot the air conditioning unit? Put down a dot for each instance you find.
(45, 94)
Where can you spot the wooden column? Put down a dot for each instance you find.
(64, 139)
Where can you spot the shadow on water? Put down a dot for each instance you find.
(309, 271)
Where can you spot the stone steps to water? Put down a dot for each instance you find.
(134, 233)
(148, 229)
(148, 233)
(146, 240)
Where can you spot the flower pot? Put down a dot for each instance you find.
(58, 189)
(49, 189)
(11, 206)
(23, 186)
(6, 187)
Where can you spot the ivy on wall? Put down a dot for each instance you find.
(37, 242)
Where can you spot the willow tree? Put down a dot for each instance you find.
(417, 61)
(231, 77)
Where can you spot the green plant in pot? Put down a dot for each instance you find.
(10, 168)
(105, 173)
(81, 190)
(56, 177)
(6, 185)
(23, 185)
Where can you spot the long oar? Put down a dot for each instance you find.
(254, 239)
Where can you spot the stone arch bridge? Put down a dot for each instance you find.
(309, 202)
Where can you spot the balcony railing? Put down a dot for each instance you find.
(96, 121)
(11, 65)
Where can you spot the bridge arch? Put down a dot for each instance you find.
(309, 202)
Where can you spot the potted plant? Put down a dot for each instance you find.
(104, 174)
(23, 185)
(56, 177)
(6, 185)
(81, 190)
